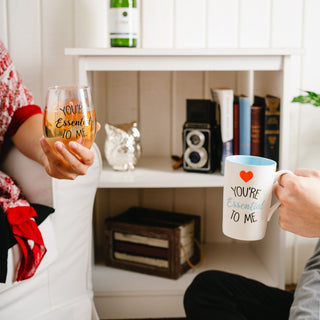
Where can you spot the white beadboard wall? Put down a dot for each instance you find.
(36, 33)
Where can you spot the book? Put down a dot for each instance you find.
(244, 125)
(224, 101)
(257, 129)
(236, 125)
(272, 127)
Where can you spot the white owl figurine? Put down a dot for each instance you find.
(122, 147)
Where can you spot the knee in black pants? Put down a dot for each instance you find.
(206, 295)
(222, 295)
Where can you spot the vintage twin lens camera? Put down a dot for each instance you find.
(197, 147)
(198, 136)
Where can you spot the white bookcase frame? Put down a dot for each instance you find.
(122, 294)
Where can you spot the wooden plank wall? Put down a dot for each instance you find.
(36, 33)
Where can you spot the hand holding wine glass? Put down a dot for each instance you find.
(69, 130)
(69, 116)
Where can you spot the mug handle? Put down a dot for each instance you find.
(275, 206)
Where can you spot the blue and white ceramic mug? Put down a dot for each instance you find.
(248, 182)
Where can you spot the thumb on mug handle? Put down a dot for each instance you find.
(275, 206)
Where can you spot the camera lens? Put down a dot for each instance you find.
(195, 139)
(194, 157)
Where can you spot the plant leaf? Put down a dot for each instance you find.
(312, 98)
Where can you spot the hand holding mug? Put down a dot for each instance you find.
(299, 194)
(248, 182)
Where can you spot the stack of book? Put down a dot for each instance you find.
(255, 125)
(259, 126)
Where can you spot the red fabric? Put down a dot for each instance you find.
(20, 116)
(16, 105)
(20, 217)
(28, 236)
(13, 94)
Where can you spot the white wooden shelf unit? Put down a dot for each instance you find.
(122, 294)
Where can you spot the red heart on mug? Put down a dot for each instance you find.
(246, 176)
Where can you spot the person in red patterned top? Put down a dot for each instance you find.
(21, 121)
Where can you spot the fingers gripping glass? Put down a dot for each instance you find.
(69, 116)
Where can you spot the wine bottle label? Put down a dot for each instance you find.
(123, 23)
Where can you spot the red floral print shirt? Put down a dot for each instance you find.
(16, 102)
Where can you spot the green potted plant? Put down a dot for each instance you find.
(311, 98)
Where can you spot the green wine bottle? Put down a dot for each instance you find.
(123, 23)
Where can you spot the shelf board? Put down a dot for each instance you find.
(157, 172)
(230, 257)
(115, 290)
(182, 52)
(139, 59)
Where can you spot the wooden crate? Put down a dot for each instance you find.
(155, 242)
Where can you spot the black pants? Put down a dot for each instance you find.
(224, 296)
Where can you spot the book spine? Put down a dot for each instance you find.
(257, 130)
(226, 105)
(236, 126)
(227, 150)
(272, 128)
(224, 97)
(244, 125)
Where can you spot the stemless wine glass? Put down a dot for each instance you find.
(69, 115)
